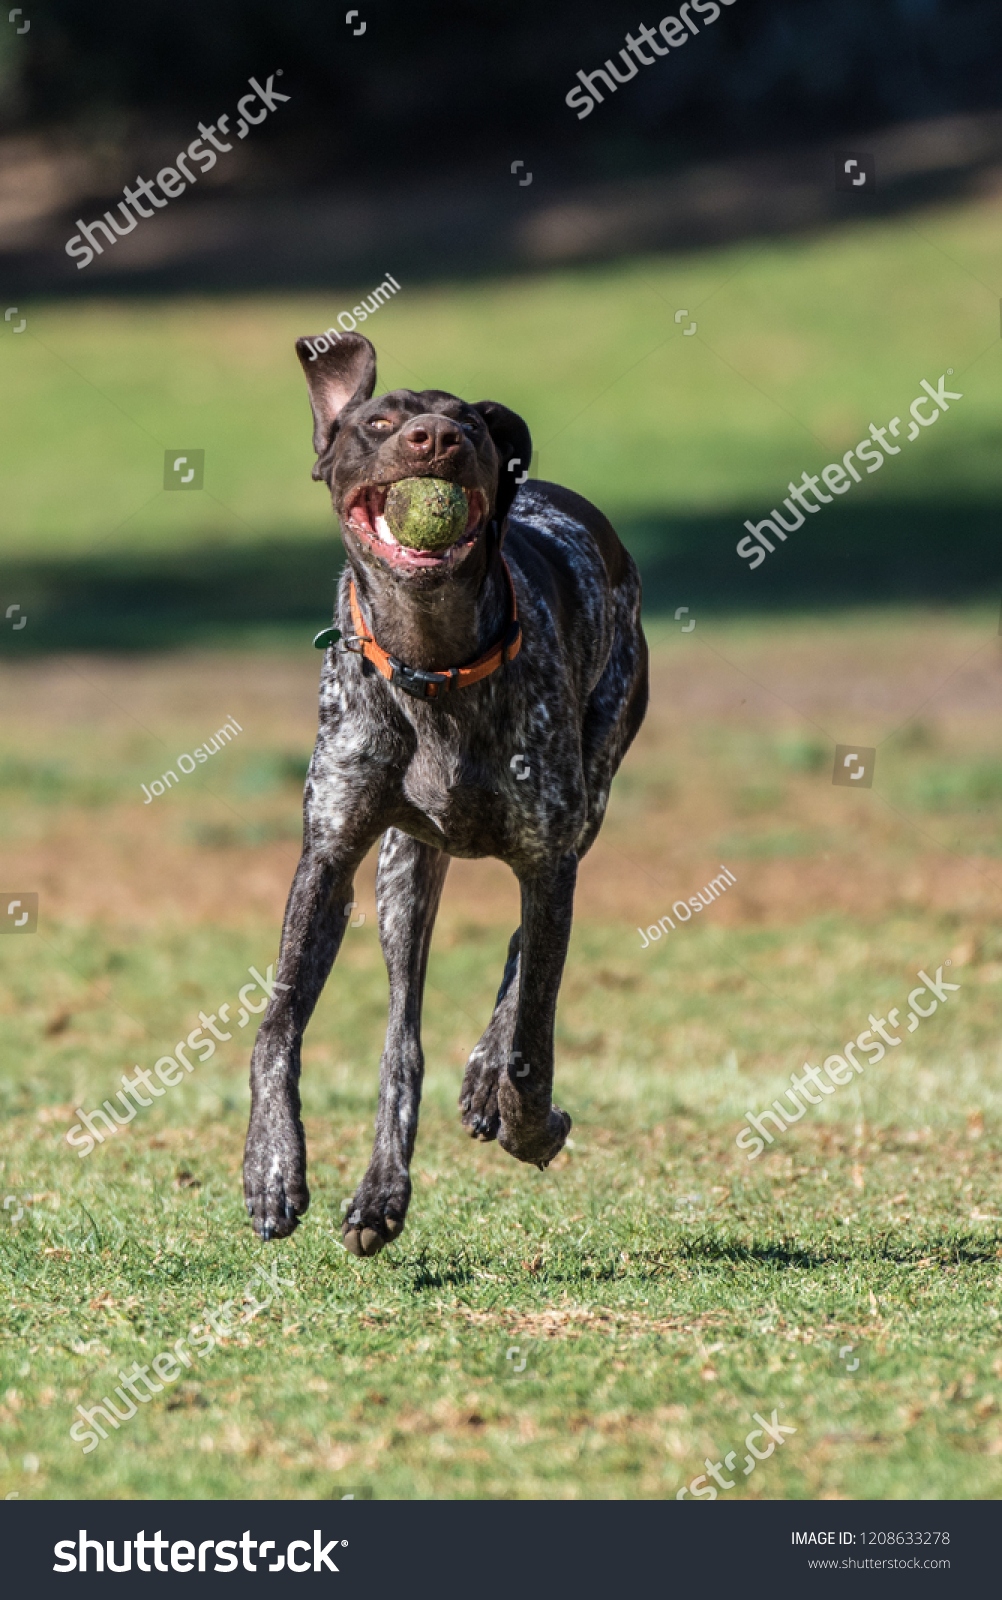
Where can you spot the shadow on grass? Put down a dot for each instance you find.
(877, 555)
(456, 1273)
(962, 1250)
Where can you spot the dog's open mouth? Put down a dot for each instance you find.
(363, 513)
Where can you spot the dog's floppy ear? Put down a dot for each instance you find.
(513, 443)
(343, 371)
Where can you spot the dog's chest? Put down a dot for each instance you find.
(460, 798)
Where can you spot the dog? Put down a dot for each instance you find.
(521, 639)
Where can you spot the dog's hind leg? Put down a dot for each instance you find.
(409, 881)
(532, 1128)
(478, 1098)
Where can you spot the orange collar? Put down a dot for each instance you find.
(430, 685)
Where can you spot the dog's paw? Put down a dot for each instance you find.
(479, 1093)
(478, 1098)
(534, 1143)
(375, 1215)
(275, 1190)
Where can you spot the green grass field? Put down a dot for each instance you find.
(800, 344)
(660, 1287)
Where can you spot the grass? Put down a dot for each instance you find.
(661, 1287)
(801, 343)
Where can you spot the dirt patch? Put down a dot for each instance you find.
(717, 777)
(570, 1322)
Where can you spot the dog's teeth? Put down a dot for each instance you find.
(383, 530)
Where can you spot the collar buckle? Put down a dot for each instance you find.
(419, 683)
(416, 681)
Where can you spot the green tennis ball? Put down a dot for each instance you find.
(426, 513)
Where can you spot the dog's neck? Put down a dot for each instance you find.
(448, 625)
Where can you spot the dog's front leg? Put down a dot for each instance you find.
(532, 1127)
(275, 1153)
(409, 882)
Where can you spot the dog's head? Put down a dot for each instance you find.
(364, 445)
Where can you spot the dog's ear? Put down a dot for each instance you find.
(344, 372)
(513, 443)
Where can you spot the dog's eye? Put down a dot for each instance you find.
(381, 422)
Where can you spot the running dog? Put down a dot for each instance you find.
(522, 639)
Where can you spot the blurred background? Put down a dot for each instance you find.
(689, 314)
(706, 184)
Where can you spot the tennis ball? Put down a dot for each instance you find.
(426, 513)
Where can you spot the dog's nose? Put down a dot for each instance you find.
(428, 438)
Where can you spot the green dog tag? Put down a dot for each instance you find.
(326, 637)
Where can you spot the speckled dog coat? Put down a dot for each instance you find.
(516, 765)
